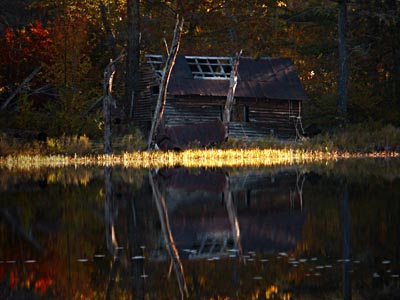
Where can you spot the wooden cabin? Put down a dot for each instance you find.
(268, 97)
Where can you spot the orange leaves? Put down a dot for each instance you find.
(38, 31)
(26, 45)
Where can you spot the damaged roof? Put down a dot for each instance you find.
(271, 78)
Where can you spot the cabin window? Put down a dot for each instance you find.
(210, 67)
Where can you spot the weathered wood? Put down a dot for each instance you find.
(162, 95)
(20, 87)
(226, 117)
(107, 102)
(189, 113)
(144, 105)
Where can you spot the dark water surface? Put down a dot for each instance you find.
(322, 231)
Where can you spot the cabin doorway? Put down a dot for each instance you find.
(240, 113)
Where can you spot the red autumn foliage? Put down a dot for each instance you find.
(24, 49)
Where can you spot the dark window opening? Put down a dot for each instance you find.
(246, 117)
(155, 89)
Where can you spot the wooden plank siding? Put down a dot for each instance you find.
(190, 110)
(144, 105)
(265, 118)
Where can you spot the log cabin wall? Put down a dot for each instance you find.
(190, 110)
(254, 119)
(251, 119)
(144, 105)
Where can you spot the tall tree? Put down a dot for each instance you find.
(133, 57)
(343, 69)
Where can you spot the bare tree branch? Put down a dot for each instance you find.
(20, 87)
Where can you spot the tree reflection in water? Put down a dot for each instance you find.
(168, 237)
(346, 241)
(294, 233)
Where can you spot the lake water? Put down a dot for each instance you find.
(328, 230)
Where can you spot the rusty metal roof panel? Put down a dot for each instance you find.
(181, 69)
(201, 87)
(272, 78)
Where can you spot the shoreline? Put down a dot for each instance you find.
(203, 158)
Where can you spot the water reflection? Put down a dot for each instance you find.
(307, 231)
(346, 240)
(168, 237)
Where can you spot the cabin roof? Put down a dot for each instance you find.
(271, 78)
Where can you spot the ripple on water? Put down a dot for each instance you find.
(137, 257)
(30, 261)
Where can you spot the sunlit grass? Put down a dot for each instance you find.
(187, 158)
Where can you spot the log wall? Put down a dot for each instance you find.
(251, 120)
(144, 105)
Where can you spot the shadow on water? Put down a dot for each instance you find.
(308, 231)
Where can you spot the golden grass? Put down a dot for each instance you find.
(187, 158)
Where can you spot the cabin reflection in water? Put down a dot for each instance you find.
(216, 214)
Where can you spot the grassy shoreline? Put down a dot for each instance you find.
(355, 141)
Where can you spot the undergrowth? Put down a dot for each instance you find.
(354, 139)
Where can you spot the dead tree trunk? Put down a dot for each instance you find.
(226, 117)
(107, 102)
(162, 96)
(20, 87)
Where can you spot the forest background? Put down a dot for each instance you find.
(72, 42)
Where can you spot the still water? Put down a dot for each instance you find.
(320, 231)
